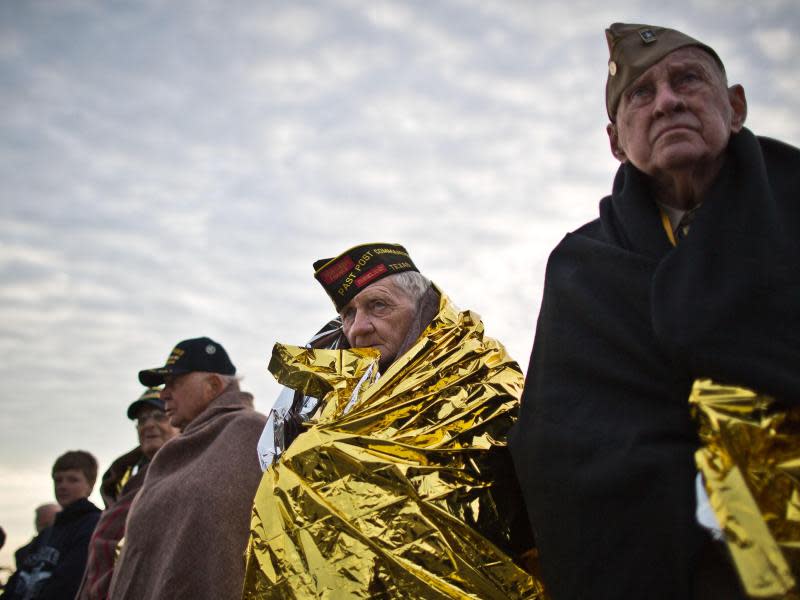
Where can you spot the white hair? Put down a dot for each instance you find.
(229, 380)
(413, 283)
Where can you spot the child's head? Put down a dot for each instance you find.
(74, 474)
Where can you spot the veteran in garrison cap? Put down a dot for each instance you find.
(187, 527)
(664, 338)
(398, 484)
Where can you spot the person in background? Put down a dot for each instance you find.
(44, 516)
(119, 486)
(187, 527)
(685, 289)
(53, 568)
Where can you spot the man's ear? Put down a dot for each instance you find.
(739, 105)
(613, 140)
(214, 386)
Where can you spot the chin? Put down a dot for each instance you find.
(680, 157)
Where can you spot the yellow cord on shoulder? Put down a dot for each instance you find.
(667, 227)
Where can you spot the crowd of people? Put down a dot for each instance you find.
(410, 458)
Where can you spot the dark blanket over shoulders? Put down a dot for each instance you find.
(604, 446)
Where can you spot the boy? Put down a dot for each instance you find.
(53, 569)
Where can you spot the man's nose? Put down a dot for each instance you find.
(667, 100)
(362, 324)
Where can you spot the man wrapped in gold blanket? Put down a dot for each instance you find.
(400, 485)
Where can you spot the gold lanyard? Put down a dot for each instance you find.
(667, 227)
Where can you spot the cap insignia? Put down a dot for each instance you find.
(648, 36)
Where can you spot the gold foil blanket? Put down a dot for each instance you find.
(750, 462)
(400, 486)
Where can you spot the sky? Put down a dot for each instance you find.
(172, 169)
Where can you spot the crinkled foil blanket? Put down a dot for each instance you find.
(385, 494)
(750, 461)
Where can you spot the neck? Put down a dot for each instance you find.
(685, 188)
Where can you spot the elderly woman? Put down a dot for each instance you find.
(121, 483)
(399, 484)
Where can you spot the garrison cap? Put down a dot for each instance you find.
(635, 48)
(196, 354)
(347, 274)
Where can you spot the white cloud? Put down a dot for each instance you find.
(778, 44)
(173, 169)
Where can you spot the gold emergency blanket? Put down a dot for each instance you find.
(750, 461)
(387, 492)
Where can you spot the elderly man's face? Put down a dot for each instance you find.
(185, 396)
(379, 317)
(677, 115)
(153, 429)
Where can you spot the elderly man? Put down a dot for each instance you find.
(400, 485)
(44, 517)
(121, 483)
(689, 272)
(187, 528)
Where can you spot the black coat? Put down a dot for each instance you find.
(57, 556)
(604, 446)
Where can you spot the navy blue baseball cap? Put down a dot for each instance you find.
(196, 354)
(150, 397)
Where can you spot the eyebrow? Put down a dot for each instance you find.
(678, 66)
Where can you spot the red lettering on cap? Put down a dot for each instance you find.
(336, 270)
(370, 275)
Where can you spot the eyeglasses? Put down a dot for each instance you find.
(159, 416)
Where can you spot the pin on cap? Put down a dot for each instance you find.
(633, 49)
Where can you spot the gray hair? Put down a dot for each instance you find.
(413, 283)
(229, 380)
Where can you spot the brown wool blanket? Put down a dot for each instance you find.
(188, 527)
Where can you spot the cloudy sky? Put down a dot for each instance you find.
(172, 169)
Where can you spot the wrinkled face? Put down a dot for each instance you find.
(70, 485)
(185, 396)
(154, 429)
(379, 317)
(677, 114)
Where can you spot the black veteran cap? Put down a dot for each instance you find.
(196, 354)
(346, 275)
(150, 397)
(635, 48)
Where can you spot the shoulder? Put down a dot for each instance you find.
(777, 149)
(246, 419)
(782, 161)
(241, 427)
(579, 240)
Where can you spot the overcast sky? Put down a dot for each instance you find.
(172, 169)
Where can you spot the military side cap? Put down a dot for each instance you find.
(196, 354)
(635, 48)
(150, 397)
(346, 275)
